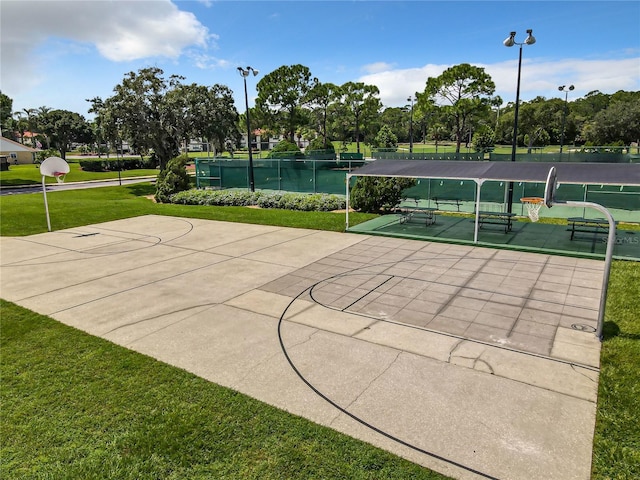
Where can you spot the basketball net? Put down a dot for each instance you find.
(533, 205)
(59, 176)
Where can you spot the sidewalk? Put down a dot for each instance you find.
(459, 358)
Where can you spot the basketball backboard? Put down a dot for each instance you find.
(550, 188)
(54, 167)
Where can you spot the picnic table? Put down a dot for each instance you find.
(409, 212)
(447, 201)
(588, 225)
(496, 218)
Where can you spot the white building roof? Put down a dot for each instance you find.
(7, 146)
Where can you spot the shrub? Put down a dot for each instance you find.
(376, 194)
(322, 202)
(115, 164)
(91, 165)
(44, 154)
(173, 179)
(386, 139)
(318, 144)
(285, 149)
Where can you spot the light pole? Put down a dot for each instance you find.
(411, 99)
(566, 91)
(510, 42)
(244, 73)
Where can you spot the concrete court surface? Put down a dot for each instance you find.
(475, 362)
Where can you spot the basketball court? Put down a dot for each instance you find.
(475, 362)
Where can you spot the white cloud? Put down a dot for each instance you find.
(397, 85)
(539, 77)
(377, 67)
(120, 31)
(205, 62)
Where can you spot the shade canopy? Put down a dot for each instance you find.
(568, 172)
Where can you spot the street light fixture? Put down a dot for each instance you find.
(244, 73)
(411, 99)
(510, 42)
(563, 88)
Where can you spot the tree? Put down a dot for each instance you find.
(386, 139)
(31, 114)
(285, 149)
(467, 90)
(320, 98)
(20, 124)
(362, 104)
(219, 120)
(281, 96)
(63, 128)
(202, 112)
(6, 120)
(142, 108)
(483, 139)
(319, 143)
(534, 123)
(620, 123)
(187, 103)
(397, 119)
(105, 126)
(173, 179)
(438, 132)
(376, 194)
(41, 116)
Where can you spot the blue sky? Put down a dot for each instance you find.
(58, 53)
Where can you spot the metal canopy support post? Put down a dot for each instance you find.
(611, 241)
(347, 188)
(479, 183)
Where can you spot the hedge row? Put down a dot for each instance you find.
(322, 202)
(113, 164)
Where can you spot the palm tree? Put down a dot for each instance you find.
(41, 116)
(20, 124)
(438, 132)
(31, 123)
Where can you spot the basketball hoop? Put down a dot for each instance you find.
(533, 205)
(52, 167)
(59, 176)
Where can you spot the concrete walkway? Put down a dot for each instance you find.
(475, 362)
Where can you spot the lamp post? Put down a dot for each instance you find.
(411, 99)
(510, 42)
(566, 91)
(244, 73)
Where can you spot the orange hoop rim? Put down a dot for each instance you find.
(535, 200)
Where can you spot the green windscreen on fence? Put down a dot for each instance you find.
(289, 174)
(610, 196)
(320, 176)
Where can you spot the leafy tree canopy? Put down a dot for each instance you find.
(466, 91)
(6, 109)
(282, 95)
(63, 128)
(385, 139)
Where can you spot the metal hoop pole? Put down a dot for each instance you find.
(611, 241)
(46, 204)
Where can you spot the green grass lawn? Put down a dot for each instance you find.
(75, 406)
(79, 407)
(24, 214)
(30, 175)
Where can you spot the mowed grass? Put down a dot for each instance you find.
(57, 423)
(24, 214)
(616, 446)
(79, 407)
(30, 175)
